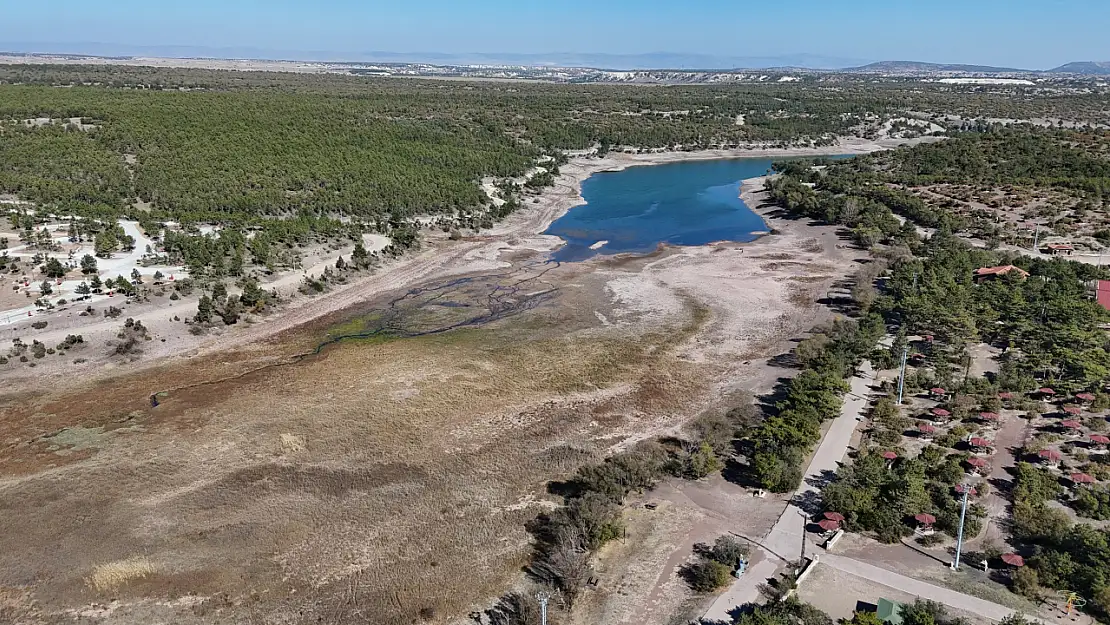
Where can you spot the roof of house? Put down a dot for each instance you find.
(1000, 271)
(889, 611)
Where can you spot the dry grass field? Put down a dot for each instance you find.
(379, 479)
(386, 479)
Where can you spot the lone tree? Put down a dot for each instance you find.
(53, 268)
(360, 257)
(105, 243)
(204, 309)
(88, 264)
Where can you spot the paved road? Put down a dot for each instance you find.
(925, 590)
(785, 538)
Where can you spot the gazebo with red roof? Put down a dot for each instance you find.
(1073, 410)
(1082, 478)
(989, 416)
(1050, 456)
(960, 488)
(940, 413)
(980, 443)
(1071, 424)
(889, 455)
(1099, 439)
(977, 465)
(1046, 391)
(1005, 395)
(927, 431)
(829, 525)
(925, 519)
(1085, 396)
(834, 516)
(1013, 560)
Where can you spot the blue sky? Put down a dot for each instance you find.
(1024, 33)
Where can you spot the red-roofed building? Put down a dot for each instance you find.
(1058, 249)
(1102, 293)
(990, 273)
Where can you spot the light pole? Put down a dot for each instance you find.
(960, 534)
(902, 375)
(805, 523)
(543, 597)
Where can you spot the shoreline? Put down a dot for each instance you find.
(439, 257)
(575, 172)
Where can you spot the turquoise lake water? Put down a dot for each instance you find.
(688, 203)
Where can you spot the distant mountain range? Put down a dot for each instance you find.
(645, 61)
(1087, 68)
(888, 67)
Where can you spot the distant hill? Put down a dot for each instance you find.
(1089, 68)
(894, 67)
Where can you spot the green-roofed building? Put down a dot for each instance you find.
(890, 611)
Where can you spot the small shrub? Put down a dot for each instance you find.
(38, 325)
(708, 576)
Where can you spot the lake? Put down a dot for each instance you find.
(685, 203)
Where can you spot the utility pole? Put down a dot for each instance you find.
(960, 534)
(1036, 237)
(543, 597)
(805, 522)
(902, 375)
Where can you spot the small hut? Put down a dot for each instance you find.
(938, 393)
(1082, 479)
(1072, 426)
(977, 465)
(940, 414)
(927, 431)
(989, 417)
(1051, 457)
(890, 457)
(961, 488)
(980, 445)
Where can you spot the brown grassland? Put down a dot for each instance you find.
(385, 479)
